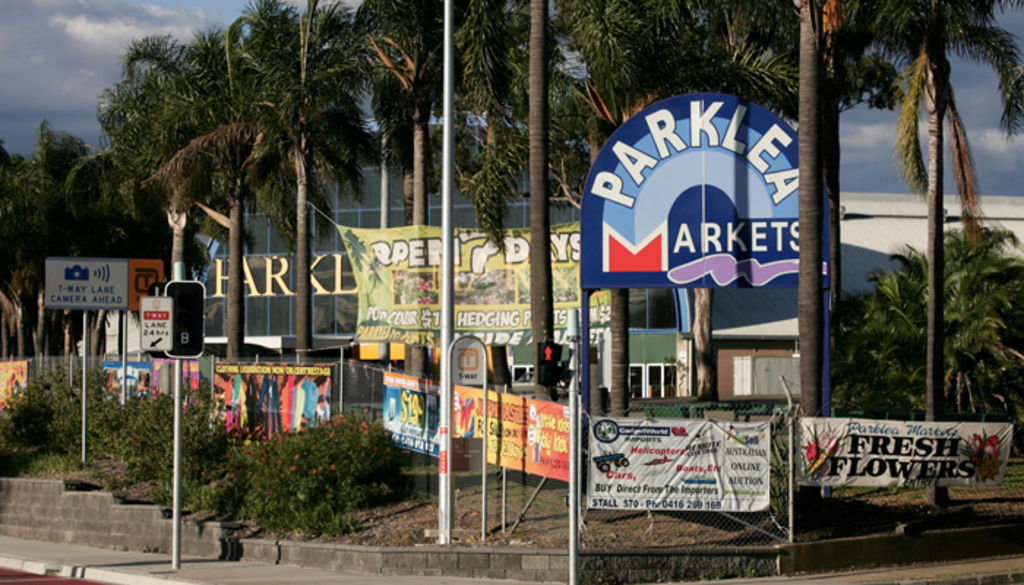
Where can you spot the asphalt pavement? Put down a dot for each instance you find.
(136, 568)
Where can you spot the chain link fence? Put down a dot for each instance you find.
(508, 506)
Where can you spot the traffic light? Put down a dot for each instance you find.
(549, 366)
(189, 309)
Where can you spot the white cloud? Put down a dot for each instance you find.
(867, 136)
(57, 57)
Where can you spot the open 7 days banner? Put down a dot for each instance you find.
(679, 464)
(398, 274)
(853, 451)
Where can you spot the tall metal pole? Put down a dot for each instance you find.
(85, 368)
(176, 520)
(385, 209)
(573, 333)
(445, 507)
(179, 274)
(124, 356)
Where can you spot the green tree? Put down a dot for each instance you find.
(141, 138)
(216, 95)
(541, 300)
(878, 361)
(490, 43)
(312, 127)
(922, 35)
(407, 36)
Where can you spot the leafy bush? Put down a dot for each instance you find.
(26, 421)
(310, 482)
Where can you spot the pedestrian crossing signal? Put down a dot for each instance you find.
(188, 330)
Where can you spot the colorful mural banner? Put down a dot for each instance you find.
(398, 277)
(527, 435)
(13, 378)
(149, 378)
(412, 413)
(869, 452)
(679, 464)
(268, 399)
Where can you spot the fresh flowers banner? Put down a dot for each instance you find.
(528, 435)
(13, 377)
(412, 413)
(853, 451)
(679, 464)
(398, 277)
(272, 398)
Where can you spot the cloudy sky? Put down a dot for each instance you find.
(57, 56)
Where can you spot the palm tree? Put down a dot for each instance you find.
(878, 362)
(312, 125)
(809, 295)
(541, 300)
(216, 96)
(922, 35)
(407, 37)
(489, 43)
(141, 138)
(632, 61)
(849, 77)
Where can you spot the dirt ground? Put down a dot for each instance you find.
(544, 523)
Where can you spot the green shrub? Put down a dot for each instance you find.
(310, 482)
(25, 424)
(146, 440)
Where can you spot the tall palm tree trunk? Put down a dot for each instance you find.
(810, 302)
(934, 386)
(541, 303)
(303, 292)
(704, 359)
(177, 220)
(416, 362)
(235, 310)
(618, 328)
(809, 294)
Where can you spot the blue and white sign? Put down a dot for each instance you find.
(698, 190)
(87, 283)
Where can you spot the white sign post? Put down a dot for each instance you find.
(469, 368)
(157, 315)
(84, 284)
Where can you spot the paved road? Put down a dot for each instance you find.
(10, 577)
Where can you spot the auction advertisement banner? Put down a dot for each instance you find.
(272, 398)
(528, 435)
(854, 451)
(679, 464)
(412, 413)
(13, 378)
(398, 276)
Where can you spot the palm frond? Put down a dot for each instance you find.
(911, 84)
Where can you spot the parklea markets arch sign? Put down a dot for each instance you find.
(697, 190)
